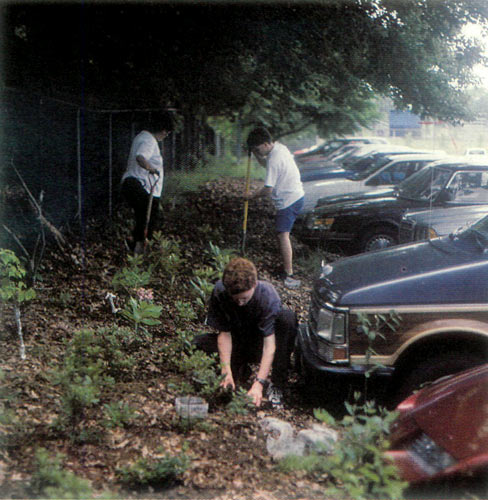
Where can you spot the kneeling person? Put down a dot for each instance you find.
(252, 328)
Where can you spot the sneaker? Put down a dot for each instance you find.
(291, 282)
(274, 396)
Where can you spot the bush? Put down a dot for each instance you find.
(50, 480)
(357, 467)
(146, 472)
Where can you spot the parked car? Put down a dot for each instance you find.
(329, 146)
(413, 312)
(441, 431)
(362, 226)
(475, 151)
(431, 223)
(388, 171)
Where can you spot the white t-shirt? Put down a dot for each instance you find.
(283, 176)
(146, 145)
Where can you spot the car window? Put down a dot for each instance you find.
(468, 187)
(425, 184)
(396, 173)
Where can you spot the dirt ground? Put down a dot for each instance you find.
(228, 454)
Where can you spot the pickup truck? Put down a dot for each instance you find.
(411, 313)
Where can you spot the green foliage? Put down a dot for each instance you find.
(165, 255)
(118, 414)
(373, 326)
(142, 312)
(147, 472)
(240, 403)
(50, 480)
(81, 377)
(184, 312)
(133, 276)
(358, 465)
(12, 273)
(219, 258)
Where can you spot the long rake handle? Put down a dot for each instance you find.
(246, 203)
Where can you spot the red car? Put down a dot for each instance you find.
(442, 430)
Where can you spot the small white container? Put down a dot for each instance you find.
(191, 407)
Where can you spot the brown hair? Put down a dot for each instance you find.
(239, 275)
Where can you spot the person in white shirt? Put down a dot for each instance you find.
(144, 176)
(285, 188)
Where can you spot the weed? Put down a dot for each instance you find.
(165, 255)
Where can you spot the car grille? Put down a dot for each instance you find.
(407, 231)
(314, 313)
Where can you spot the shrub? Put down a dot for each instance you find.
(118, 414)
(132, 277)
(146, 472)
(50, 480)
(357, 467)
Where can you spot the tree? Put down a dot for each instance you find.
(283, 64)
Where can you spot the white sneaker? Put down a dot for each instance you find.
(292, 282)
(274, 396)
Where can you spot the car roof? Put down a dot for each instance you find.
(417, 156)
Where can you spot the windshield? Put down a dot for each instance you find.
(425, 184)
(480, 228)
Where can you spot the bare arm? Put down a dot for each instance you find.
(269, 347)
(224, 343)
(143, 163)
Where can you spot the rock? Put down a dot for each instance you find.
(281, 440)
(318, 439)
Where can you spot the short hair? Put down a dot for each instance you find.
(161, 120)
(240, 275)
(258, 136)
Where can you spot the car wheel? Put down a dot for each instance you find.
(429, 370)
(378, 238)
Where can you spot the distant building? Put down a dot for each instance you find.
(403, 123)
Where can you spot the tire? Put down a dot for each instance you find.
(378, 238)
(429, 370)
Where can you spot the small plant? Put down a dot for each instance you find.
(203, 284)
(372, 326)
(13, 290)
(142, 312)
(357, 466)
(65, 298)
(240, 403)
(163, 472)
(219, 257)
(132, 277)
(50, 480)
(118, 414)
(165, 254)
(185, 311)
(81, 378)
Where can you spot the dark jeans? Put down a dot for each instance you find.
(243, 352)
(138, 198)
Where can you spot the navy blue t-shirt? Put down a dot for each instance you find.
(257, 317)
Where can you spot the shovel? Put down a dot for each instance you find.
(246, 203)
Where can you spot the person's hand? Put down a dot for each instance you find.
(256, 393)
(228, 381)
(154, 171)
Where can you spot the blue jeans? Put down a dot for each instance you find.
(286, 217)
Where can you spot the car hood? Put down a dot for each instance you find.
(456, 216)
(339, 204)
(455, 267)
(452, 412)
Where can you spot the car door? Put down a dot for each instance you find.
(395, 173)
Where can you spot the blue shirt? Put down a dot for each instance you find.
(257, 317)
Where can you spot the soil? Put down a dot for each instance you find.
(228, 453)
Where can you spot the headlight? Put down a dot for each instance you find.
(432, 456)
(331, 326)
(432, 233)
(316, 221)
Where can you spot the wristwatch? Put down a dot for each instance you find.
(262, 381)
